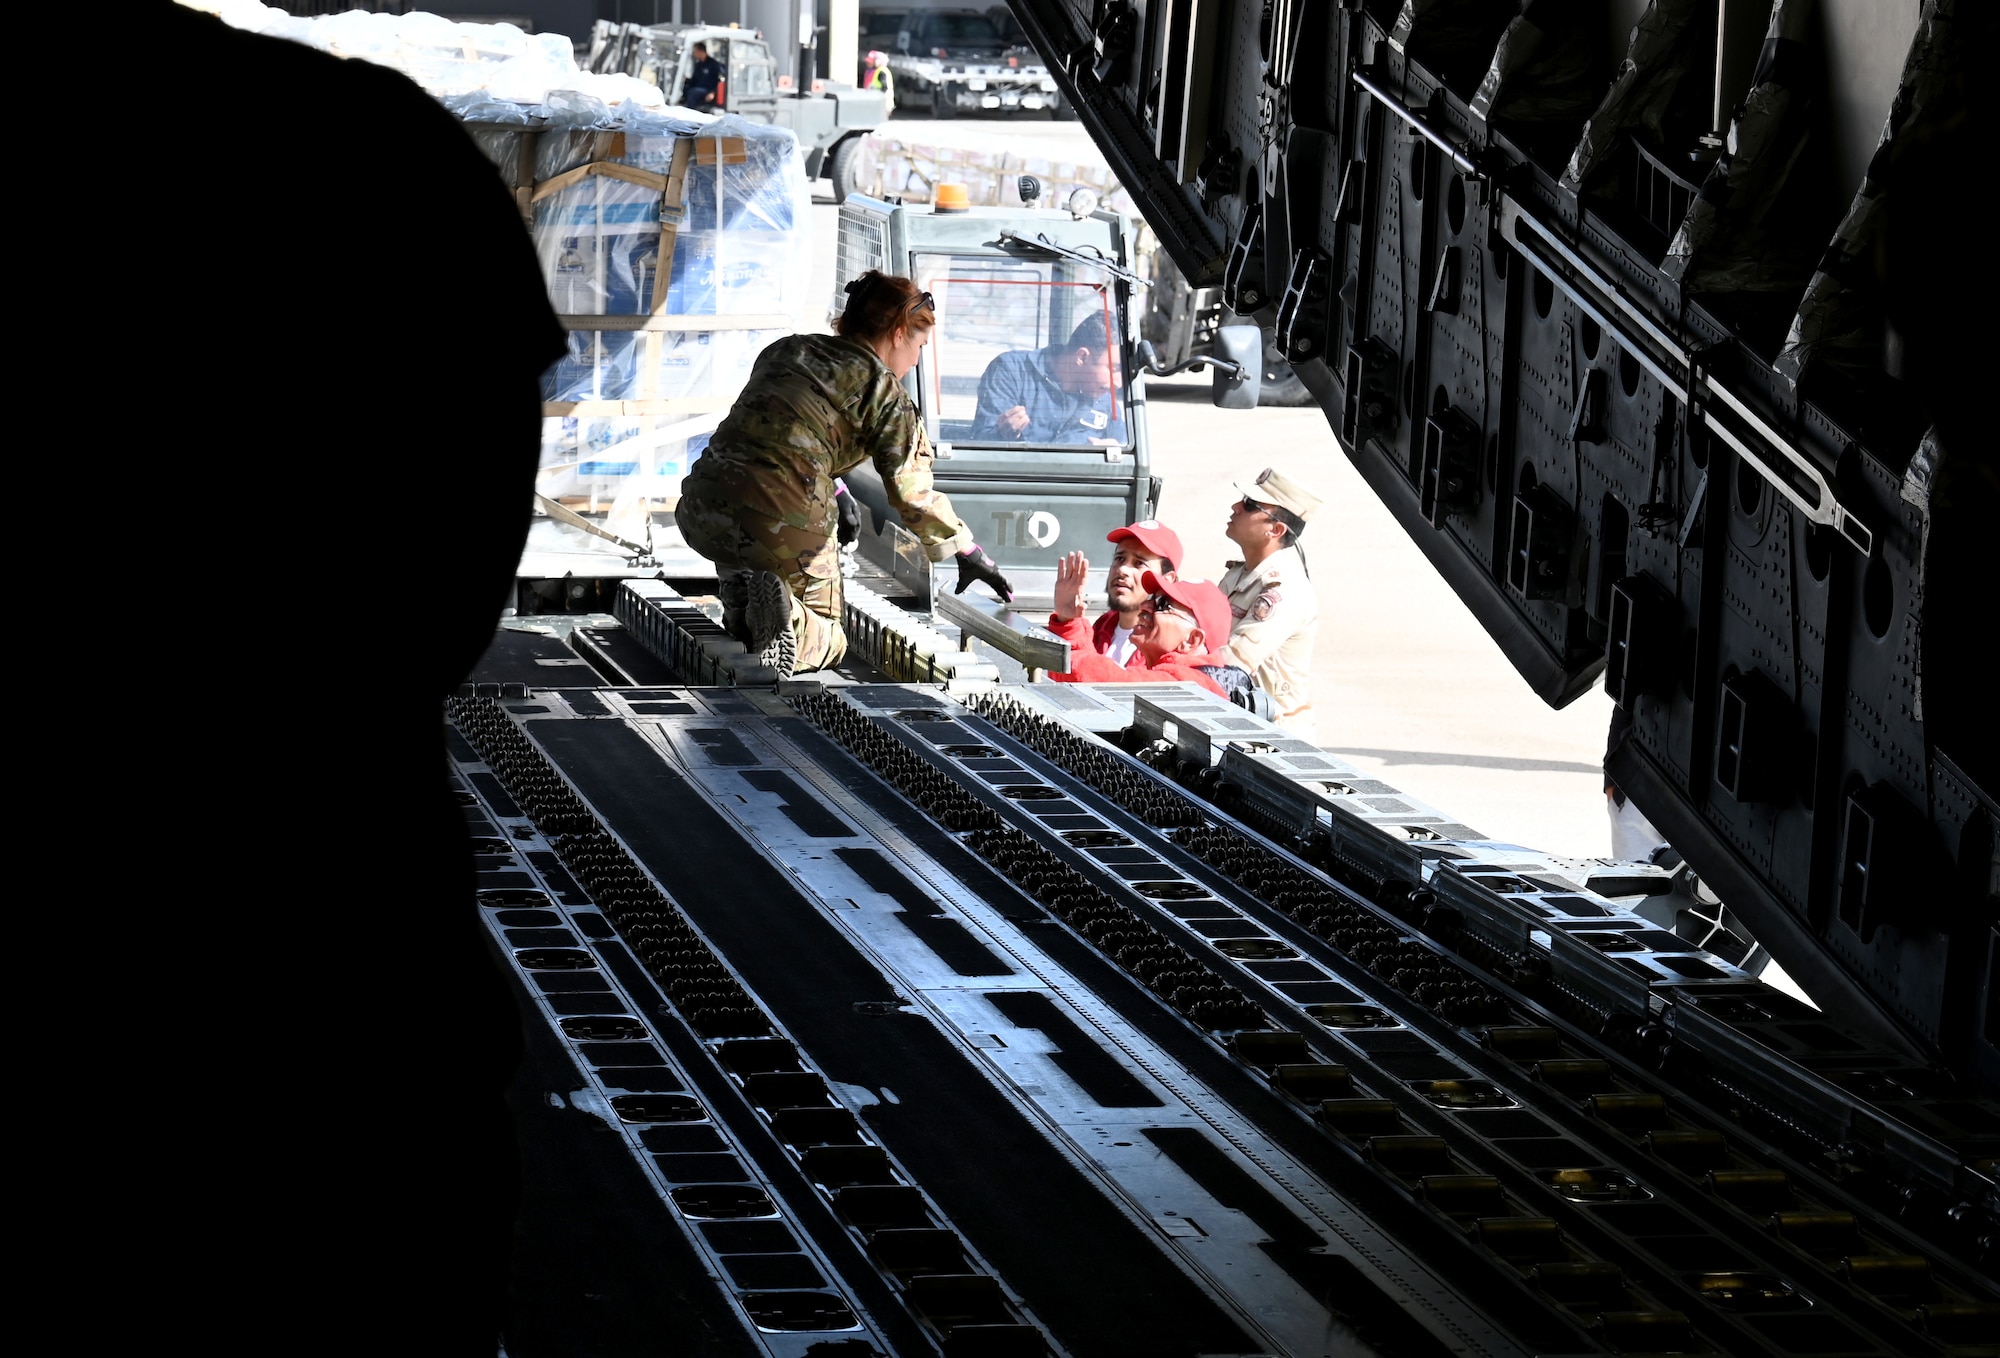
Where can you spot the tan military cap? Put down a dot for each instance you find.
(1272, 489)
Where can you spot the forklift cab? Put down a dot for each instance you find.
(749, 87)
(1040, 445)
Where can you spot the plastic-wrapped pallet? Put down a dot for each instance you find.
(450, 58)
(610, 193)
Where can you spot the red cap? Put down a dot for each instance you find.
(1206, 601)
(1158, 539)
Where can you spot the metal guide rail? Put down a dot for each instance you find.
(895, 642)
(998, 944)
(904, 647)
(685, 638)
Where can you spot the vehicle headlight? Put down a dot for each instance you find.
(1049, 84)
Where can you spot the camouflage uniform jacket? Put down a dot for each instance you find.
(816, 407)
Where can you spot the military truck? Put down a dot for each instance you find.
(959, 61)
(828, 122)
(1015, 280)
(1644, 320)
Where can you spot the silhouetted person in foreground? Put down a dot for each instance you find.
(1937, 282)
(334, 293)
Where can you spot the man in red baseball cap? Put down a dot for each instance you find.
(1177, 623)
(1147, 545)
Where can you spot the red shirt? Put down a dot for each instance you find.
(1090, 667)
(1101, 633)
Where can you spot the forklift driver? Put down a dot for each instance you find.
(1059, 394)
(704, 83)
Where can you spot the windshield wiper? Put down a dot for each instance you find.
(1081, 255)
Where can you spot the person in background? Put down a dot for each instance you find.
(1060, 394)
(1271, 598)
(876, 75)
(703, 89)
(1147, 545)
(1172, 634)
(763, 501)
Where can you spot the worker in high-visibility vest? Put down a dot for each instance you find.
(876, 75)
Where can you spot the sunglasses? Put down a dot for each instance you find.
(924, 302)
(1250, 506)
(1160, 603)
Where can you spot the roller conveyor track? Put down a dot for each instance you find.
(1743, 1196)
(1424, 1161)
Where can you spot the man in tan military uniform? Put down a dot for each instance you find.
(1272, 598)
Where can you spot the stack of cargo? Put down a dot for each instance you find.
(452, 60)
(657, 353)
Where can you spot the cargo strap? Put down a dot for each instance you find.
(672, 190)
(564, 514)
(610, 169)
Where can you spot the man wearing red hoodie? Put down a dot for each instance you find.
(1172, 634)
(1147, 545)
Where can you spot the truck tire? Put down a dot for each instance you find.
(1282, 386)
(840, 169)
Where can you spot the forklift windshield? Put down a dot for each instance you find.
(1026, 353)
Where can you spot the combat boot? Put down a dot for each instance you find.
(757, 611)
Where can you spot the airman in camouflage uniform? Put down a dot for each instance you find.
(761, 497)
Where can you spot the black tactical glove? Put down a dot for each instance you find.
(845, 505)
(976, 565)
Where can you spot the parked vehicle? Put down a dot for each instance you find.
(829, 124)
(959, 60)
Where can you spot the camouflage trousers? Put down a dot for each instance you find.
(808, 563)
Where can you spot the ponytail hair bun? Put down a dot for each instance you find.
(878, 305)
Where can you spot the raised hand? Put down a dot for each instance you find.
(1071, 571)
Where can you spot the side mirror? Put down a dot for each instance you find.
(1243, 346)
(1146, 356)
